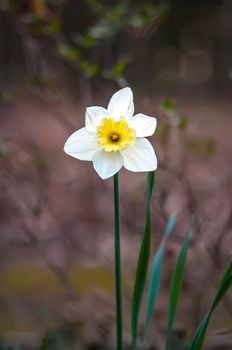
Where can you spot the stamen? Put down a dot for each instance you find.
(114, 137)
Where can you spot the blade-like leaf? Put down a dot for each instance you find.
(142, 265)
(225, 284)
(170, 226)
(175, 286)
(154, 284)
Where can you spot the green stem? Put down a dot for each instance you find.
(118, 264)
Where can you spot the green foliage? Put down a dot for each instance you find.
(147, 14)
(116, 73)
(175, 287)
(85, 41)
(142, 265)
(110, 21)
(183, 121)
(167, 105)
(54, 26)
(67, 52)
(174, 294)
(225, 284)
(118, 68)
(89, 69)
(82, 41)
(175, 119)
(154, 282)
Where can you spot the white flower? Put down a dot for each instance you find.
(113, 137)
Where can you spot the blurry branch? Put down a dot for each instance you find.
(89, 51)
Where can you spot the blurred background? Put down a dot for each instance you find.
(56, 215)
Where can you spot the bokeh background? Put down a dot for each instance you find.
(56, 216)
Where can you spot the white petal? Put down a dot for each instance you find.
(81, 145)
(107, 164)
(140, 156)
(144, 126)
(121, 104)
(93, 117)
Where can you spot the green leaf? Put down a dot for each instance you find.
(68, 52)
(154, 284)
(142, 265)
(168, 104)
(116, 72)
(90, 69)
(170, 226)
(54, 25)
(119, 68)
(225, 284)
(175, 286)
(85, 41)
(136, 21)
(183, 122)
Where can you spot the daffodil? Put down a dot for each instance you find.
(113, 137)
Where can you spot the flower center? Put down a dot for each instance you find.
(114, 135)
